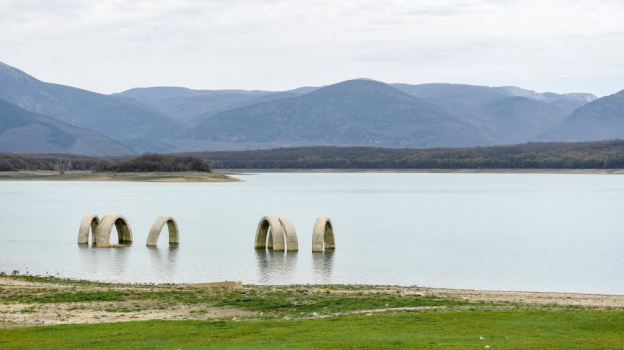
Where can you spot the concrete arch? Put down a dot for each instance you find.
(89, 222)
(124, 233)
(172, 225)
(276, 241)
(292, 244)
(323, 235)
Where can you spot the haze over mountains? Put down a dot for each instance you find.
(42, 117)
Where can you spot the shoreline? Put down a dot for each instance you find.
(87, 175)
(41, 301)
(428, 171)
(229, 175)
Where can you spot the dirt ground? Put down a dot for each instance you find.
(38, 314)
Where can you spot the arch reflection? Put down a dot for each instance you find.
(275, 267)
(323, 266)
(163, 261)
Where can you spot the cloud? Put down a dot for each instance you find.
(110, 45)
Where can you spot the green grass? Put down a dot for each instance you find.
(403, 330)
(297, 301)
(303, 317)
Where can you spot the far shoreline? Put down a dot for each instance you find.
(87, 175)
(229, 175)
(427, 171)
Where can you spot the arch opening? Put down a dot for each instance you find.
(323, 235)
(124, 233)
(159, 224)
(89, 223)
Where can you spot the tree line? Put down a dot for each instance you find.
(152, 162)
(581, 155)
(63, 162)
(578, 155)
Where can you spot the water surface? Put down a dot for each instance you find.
(536, 232)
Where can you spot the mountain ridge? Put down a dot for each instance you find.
(359, 112)
(25, 131)
(354, 112)
(601, 119)
(111, 116)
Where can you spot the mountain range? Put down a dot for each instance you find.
(36, 116)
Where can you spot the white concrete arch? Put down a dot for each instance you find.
(292, 244)
(89, 222)
(124, 233)
(172, 226)
(323, 235)
(275, 235)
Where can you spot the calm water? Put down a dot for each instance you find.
(482, 231)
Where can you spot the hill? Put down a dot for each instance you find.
(602, 119)
(24, 131)
(506, 114)
(116, 118)
(355, 112)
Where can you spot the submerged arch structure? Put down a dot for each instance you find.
(161, 221)
(323, 235)
(277, 234)
(89, 222)
(124, 233)
(290, 234)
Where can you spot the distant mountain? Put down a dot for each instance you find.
(461, 94)
(515, 120)
(602, 119)
(26, 132)
(352, 113)
(567, 103)
(195, 106)
(355, 112)
(507, 114)
(116, 118)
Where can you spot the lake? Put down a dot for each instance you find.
(530, 232)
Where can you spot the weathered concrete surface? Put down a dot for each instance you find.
(172, 225)
(276, 235)
(89, 222)
(124, 233)
(292, 244)
(323, 235)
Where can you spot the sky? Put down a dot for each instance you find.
(113, 45)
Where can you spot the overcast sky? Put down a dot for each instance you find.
(113, 45)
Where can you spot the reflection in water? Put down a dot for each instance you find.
(101, 262)
(163, 265)
(88, 259)
(322, 266)
(276, 267)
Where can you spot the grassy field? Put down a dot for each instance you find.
(295, 317)
(525, 329)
